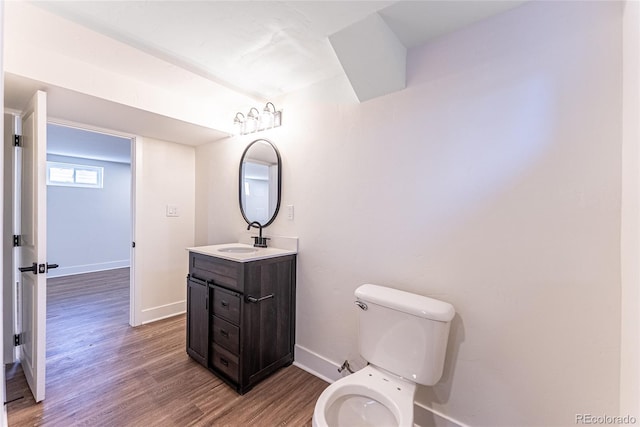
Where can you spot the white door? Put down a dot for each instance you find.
(33, 248)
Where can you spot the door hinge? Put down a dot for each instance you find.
(133, 244)
(17, 240)
(17, 140)
(18, 339)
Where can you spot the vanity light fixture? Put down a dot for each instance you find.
(256, 121)
(251, 124)
(238, 124)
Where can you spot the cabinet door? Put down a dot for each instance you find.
(198, 320)
(269, 308)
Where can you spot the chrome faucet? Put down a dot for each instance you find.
(258, 241)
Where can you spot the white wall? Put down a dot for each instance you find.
(630, 243)
(164, 175)
(89, 229)
(491, 182)
(217, 217)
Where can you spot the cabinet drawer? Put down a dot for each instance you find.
(224, 361)
(226, 304)
(225, 334)
(220, 271)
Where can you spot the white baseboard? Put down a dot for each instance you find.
(328, 371)
(427, 417)
(87, 268)
(316, 365)
(163, 311)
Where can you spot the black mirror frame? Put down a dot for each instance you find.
(275, 212)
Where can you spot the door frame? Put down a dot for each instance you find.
(10, 300)
(134, 296)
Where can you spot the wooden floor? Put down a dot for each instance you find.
(102, 372)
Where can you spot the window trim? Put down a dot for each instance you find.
(99, 170)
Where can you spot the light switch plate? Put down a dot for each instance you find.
(172, 210)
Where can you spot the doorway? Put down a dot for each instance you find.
(88, 200)
(89, 229)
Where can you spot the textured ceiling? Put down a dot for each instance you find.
(260, 48)
(263, 48)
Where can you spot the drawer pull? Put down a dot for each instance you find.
(225, 304)
(224, 333)
(257, 300)
(225, 362)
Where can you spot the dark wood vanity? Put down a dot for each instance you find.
(241, 316)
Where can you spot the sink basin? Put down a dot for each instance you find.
(238, 250)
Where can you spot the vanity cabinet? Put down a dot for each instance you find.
(250, 316)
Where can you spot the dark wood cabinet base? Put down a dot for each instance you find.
(242, 327)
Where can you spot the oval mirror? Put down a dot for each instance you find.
(260, 172)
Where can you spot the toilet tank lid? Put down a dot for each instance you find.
(406, 302)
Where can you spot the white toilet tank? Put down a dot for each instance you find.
(403, 333)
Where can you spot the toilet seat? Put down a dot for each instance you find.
(369, 397)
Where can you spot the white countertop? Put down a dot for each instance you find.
(218, 251)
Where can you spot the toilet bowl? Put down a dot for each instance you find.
(369, 397)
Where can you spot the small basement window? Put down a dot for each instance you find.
(70, 175)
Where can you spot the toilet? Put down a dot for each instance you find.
(404, 338)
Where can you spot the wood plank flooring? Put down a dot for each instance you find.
(102, 372)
